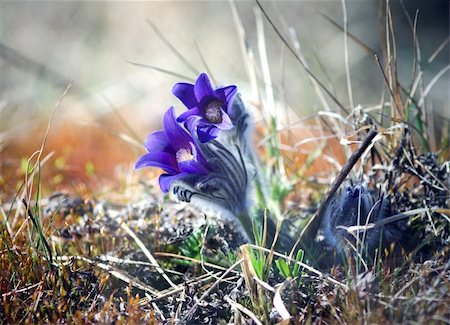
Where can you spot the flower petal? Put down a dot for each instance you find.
(192, 167)
(226, 94)
(196, 152)
(191, 124)
(165, 180)
(207, 132)
(185, 93)
(163, 160)
(203, 88)
(183, 117)
(226, 122)
(175, 133)
(157, 141)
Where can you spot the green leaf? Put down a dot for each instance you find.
(283, 268)
(299, 259)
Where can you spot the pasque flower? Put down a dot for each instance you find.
(212, 106)
(356, 205)
(173, 150)
(202, 167)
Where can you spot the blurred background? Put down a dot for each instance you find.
(122, 59)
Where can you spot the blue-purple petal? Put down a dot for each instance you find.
(203, 88)
(163, 160)
(177, 136)
(191, 124)
(165, 180)
(192, 167)
(184, 116)
(226, 122)
(185, 93)
(226, 94)
(157, 141)
(207, 132)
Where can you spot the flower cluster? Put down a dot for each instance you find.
(176, 149)
(205, 152)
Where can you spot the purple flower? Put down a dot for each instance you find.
(174, 151)
(212, 106)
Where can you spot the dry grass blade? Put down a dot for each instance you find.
(347, 64)
(269, 102)
(190, 259)
(388, 84)
(28, 189)
(263, 284)
(25, 289)
(316, 86)
(319, 91)
(120, 135)
(27, 183)
(244, 310)
(114, 272)
(363, 45)
(205, 64)
(170, 292)
(171, 73)
(431, 84)
(309, 72)
(278, 301)
(27, 64)
(127, 126)
(438, 50)
(396, 217)
(113, 259)
(147, 253)
(246, 53)
(172, 47)
(191, 311)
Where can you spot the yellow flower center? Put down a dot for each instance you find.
(184, 154)
(213, 112)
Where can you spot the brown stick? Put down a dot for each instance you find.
(308, 233)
